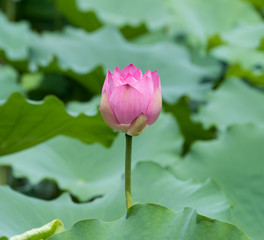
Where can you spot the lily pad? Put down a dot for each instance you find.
(43, 233)
(246, 36)
(128, 13)
(87, 51)
(8, 82)
(16, 48)
(107, 48)
(247, 58)
(34, 122)
(154, 222)
(235, 99)
(91, 170)
(242, 47)
(30, 213)
(235, 162)
(195, 20)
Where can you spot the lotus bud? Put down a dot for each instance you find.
(131, 101)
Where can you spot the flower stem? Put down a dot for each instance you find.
(128, 171)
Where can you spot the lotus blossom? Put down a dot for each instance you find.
(131, 101)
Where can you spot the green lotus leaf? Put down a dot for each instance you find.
(86, 52)
(115, 12)
(235, 99)
(196, 21)
(235, 162)
(26, 123)
(91, 170)
(43, 233)
(30, 213)
(8, 81)
(148, 221)
(15, 47)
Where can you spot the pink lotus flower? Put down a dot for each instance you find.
(131, 101)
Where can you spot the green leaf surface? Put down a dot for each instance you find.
(20, 213)
(148, 221)
(151, 38)
(257, 3)
(242, 47)
(234, 99)
(8, 82)
(106, 47)
(86, 20)
(88, 108)
(153, 184)
(26, 123)
(165, 189)
(91, 170)
(235, 162)
(190, 129)
(120, 13)
(14, 39)
(43, 233)
(199, 19)
(247, 58)
(245, 62)
(93, 50)
(193, 18)
(246, 36)
(256, 78)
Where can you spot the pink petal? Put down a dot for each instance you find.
(115, 81)
(147, 74)
(127, 103)
(129, 69)
(107, 112)
(106, 82)
(137, 74)
(130, 80)
(154, 107)
(156, 80)
(118, 72)
(145, 85)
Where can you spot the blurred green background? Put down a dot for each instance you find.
(54, 55)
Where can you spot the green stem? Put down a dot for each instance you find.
(128, 171)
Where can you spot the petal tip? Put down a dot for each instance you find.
(147, 74)
(117, 70)
(131, 68)
(156, 80)
(131, 65)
